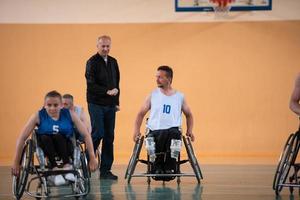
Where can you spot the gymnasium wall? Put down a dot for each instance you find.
(237, 76)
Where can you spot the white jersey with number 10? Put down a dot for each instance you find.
(165, 110)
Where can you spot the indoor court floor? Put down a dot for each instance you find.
(221, 182)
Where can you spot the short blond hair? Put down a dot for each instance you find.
(104, 37)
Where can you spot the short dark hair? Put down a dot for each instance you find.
(168, 70)
(53, 93)
(68, 96)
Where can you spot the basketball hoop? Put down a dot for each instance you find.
(221, 7)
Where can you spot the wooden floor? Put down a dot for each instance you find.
(221, 182)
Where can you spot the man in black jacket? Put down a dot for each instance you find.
(103, 77)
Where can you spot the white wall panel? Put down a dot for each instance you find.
(127, 11)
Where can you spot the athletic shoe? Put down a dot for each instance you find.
(69, 176)
(108, 175)
(59, 180)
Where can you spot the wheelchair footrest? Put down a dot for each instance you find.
(38, 195)
(57, 172)
(290, 185)
(164, 175)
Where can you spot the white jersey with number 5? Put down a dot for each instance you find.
(165, 110)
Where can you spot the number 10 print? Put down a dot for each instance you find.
(167, 109)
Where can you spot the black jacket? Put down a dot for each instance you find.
(101, 77)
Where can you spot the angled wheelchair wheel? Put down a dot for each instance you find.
(84, 181)
(192, 158)
(281, 161)
(288, 161)
(136, 145)
(296, 147)
(134, 158)
(19, 183)
(84, 157)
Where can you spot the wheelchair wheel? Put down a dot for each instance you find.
(134, 158)
(288, 160)
(84, 157)
(282, 158)
(131, 158)
(297, 147)
(84, 179)
(19, 183)
(192, 158)
(130, 161)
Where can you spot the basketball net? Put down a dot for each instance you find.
(221, 7)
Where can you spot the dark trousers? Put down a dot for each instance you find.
(103, 127)
(162, 139)
(78, 136)
(55, 145)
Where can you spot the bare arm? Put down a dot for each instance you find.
(139, 118)
(87, 139)
(295, 98)
(25, 133)
(189, 120)
(85, 121)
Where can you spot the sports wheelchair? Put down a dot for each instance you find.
(135, 158)
(39, 173)
(287, 161)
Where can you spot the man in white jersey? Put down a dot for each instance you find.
(68, 102)
(165, 105)
(295, 98)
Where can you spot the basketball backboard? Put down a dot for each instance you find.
(237, 5)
